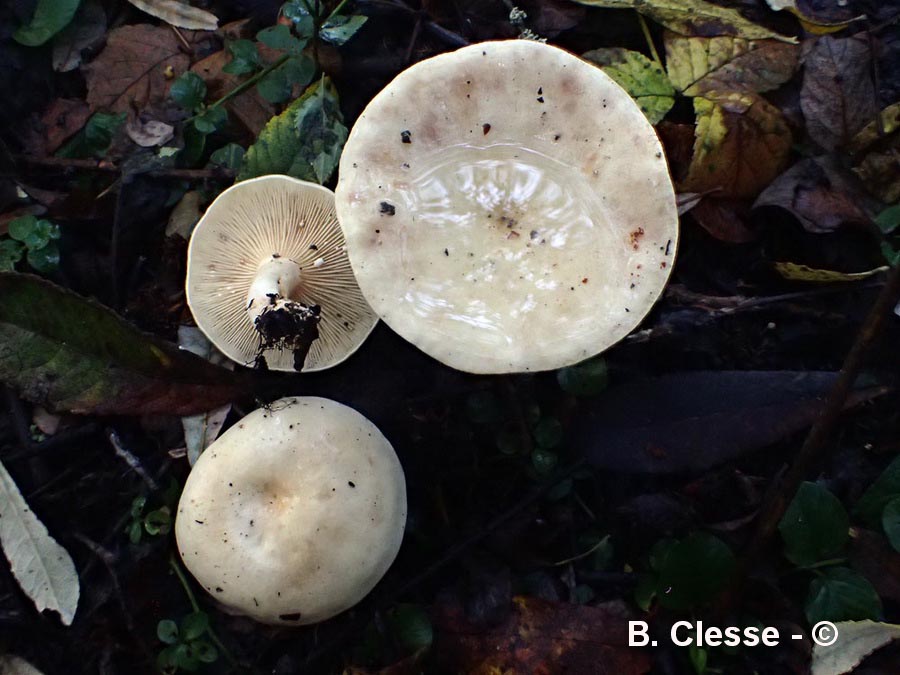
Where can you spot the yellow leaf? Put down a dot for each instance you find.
(178, 14)
(693, 17)
(741, 143)
(699, 65)
(642, 78)
(875, 149)
(796, 272)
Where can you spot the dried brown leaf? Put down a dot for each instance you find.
(178, 14)
(62, 119)
(837, 96)
(724, 219)
(135, 68)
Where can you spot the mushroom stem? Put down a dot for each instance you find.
(281, 321)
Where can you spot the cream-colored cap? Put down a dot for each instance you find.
(507, 207)
(268, 242)
(294, 513)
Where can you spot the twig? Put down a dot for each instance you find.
(67, 164)
(130, 459)
(244, 86)
(815, 447)
(645, 29)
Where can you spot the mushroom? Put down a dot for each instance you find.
(268, 279)
(522, 219)
(293, 514)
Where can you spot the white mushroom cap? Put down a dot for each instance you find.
(507, 208)
(274, 243)
(294, 513)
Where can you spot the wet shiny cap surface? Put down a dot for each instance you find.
(507, 208)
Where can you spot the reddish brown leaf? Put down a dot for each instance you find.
(540, 637)
(741, 143)
(724, 220)
(62, 118)
(837, 96)
(819, 194)
(135, 68)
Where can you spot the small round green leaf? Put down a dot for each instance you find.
(815, 526)
(695, 569)
(194, 625)
(188, 91)
(841, 594)
(548, 433)
(10, 253)
(544, 461)
(588, 378)
(203, 651)
(167, 631)
(411, 627)
(890, 520)
(44, 259)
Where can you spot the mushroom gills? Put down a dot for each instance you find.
(280, 321)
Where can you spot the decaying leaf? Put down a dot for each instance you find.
(875, 150)
(837, 96)
(251, 109)
(652, 425)
(178, 14)
(645, 80)
(796, 272)
(135, 68)
(724, 219)
(305, 141)
(150, 133)
(693, 17)
(818, 18)
(856, 640)
(201, 430)
(69, 353)
(702, 66)
(60, 121)
(43, 568)
(184, 216)
(10, 664)
(741, 143)
(86, 30)
(820, 194)
(539, 636)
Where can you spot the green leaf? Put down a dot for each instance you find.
(194, 625)
(277, 86)
(857, 640)
(587, 378)
(693, 17)
(10, 253)
(297, 12)
(890, 521)
(184, 659)
(305, 141)
(203, 651)
(699, 657)
(167, 631)
(411, 627)
(644, 80)
(889, 219)
(135, 531)
(544, 461)
(188, 91)
(211, 120)
(815, 526)
(44, 259)
(94, 139)
(50, 17)
(158, 522)
(885, 488)
(841, 594)
(548, 433)
(244, 57)
(69, 353)
(341, 28)
(228, 156)
(645, 591)
(279, 37)
(32, 232)
(695, 569)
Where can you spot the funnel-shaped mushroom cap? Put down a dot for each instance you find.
(269, 239)
(507, 208)
(294, 513)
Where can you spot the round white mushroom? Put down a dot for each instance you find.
(294, 513)
(268, 277)
(522, 218)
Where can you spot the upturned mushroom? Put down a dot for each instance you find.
(268, 278)
(522, 218)
(293, 514)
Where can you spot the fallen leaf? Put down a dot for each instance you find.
(185, 215)
(700, 66)
(693, 421)
(201, 430)
(819, 193)
(43, 568)
(796, 272)
(86, 30)
(857, 639)
(50, 17)
(131, 71)
(179, 14)
(875, 150)
(305, 141)
(724, 219)
(818, 18)
(837, 95)
(10, 664)
(250, 109)
(61, 120)
(66, 352)
(539, 636)
(642, 78)
(741, 143)
(693, 17)
(150, 133)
